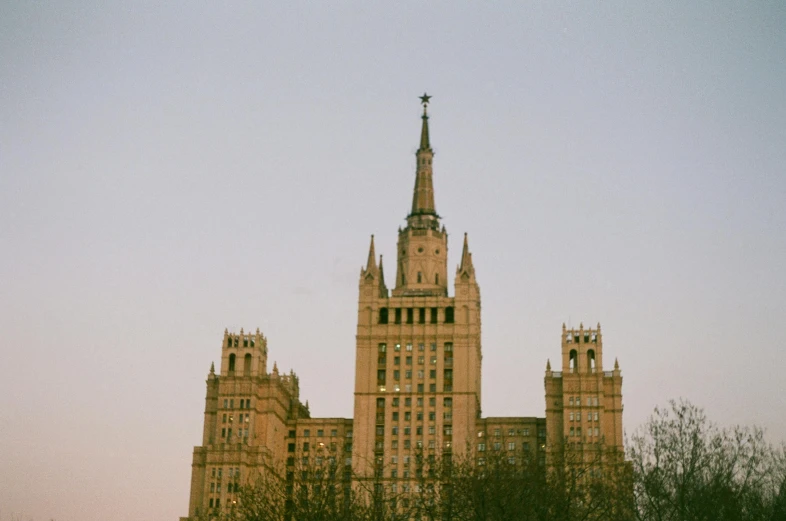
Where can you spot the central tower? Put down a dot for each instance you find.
(418, 357)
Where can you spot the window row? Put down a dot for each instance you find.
(447, 430)
(409, 313)
(432, 401)
(576, 431)
(227, 433)
(233, 341)
(244, 403)
(246, 364)
(589, 401)
(382, 348)
(215, 472)
(241, 418)
(577, 416)
(320, 433)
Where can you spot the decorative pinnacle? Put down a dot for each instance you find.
(212, 368)
(548, 364)
(616, 365)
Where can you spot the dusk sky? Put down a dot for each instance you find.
(172, 169)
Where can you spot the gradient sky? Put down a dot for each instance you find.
(168, 171)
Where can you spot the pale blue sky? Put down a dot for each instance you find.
(167, 171)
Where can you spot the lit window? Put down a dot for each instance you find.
(409, 347)
(511, 432)
(382, 348)
(481, 447)
(397, 347)
(511, 445)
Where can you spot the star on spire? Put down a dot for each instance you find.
(424, 99)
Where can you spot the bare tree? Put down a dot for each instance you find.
(686, 468)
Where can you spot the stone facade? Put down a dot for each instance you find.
(417, 380)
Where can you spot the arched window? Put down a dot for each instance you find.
(383, 315)
(591, 360)
(573, 362)
(232, 363)
(247, 365)
(229, 341)
(436, 278)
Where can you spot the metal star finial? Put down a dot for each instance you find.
(424, 99)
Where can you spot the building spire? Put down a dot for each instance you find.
(371, 264)
(424, 140)
(466, 256)
(423, 196)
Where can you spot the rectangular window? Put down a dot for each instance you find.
(382, 348)
(420, 388)
(432, 429)
(381, 376)
(596, 416)
(448, 374)
(432, 416)
(394, 444)
(570, 416)
(420, 402)
(511, 445)
(433, 360)
(409, 347)
(420, 373)
(422, 315)
(409, 360)
(380, 431)
(407, 431)
(398, 315)
(394, 431)
(396, 360)
(570, 400)
(420, 416)
(433, 315)
(408, 374)
(410, 315)
(525, 432)
(407, 444)
(481, 447)
(306, 433)
(511, 432)
(419, 431)
(497, 446)
(396, 374)
(420, 359)
(572, 431)
(320, 433)
(398, 347)
(395, 402)
(395, 416)
(305, 446)
(408, 402)
(407, 416)
(432, 388)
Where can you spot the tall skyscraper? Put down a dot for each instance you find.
(417, 380)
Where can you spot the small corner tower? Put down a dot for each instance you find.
(583, 402)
